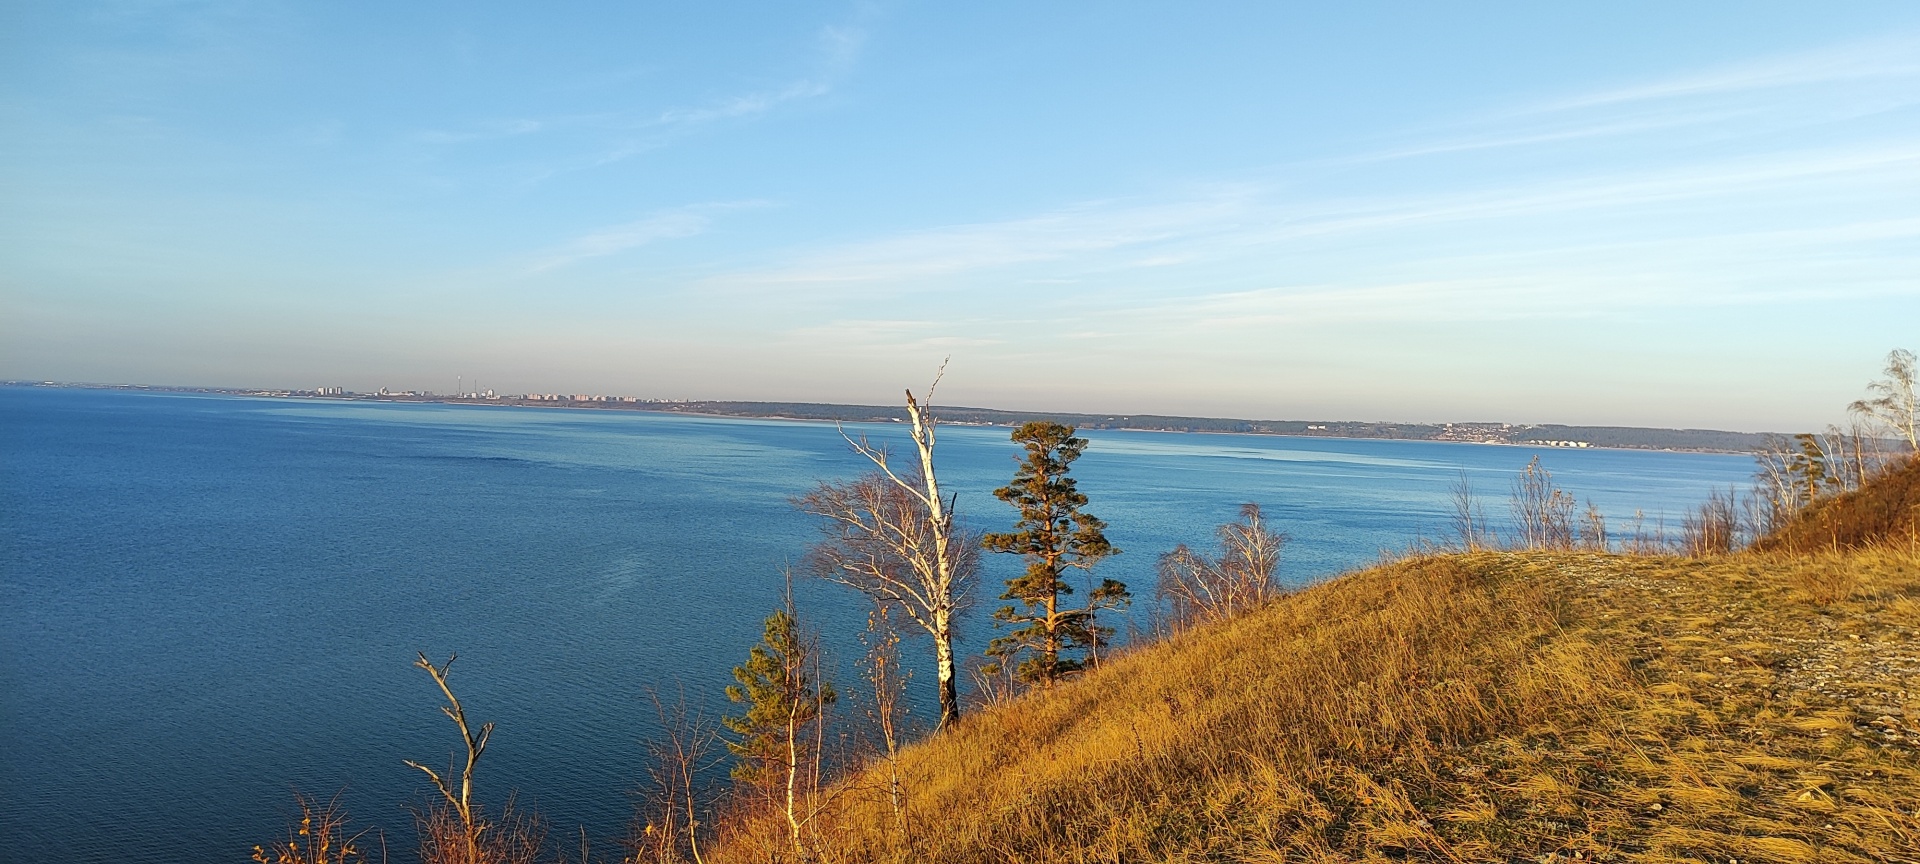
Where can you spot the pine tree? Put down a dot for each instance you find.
(1054, 535)
(781, 733)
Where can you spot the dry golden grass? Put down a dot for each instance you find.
(320, 837)
(1823, 584)
(1489, 706)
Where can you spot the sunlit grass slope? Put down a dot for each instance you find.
(1494, 706)
(1883, 512)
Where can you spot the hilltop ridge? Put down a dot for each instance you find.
(1511, 706)
(1494, 706)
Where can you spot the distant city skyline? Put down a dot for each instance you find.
(1697, 216)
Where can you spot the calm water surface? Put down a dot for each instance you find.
(209, 602)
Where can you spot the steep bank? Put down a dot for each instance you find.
(1883, 512)
(1497, 706)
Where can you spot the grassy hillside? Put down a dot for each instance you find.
(1884, 512)
(1495, 706)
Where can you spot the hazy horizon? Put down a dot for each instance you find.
(449, 397)
(1638, 215)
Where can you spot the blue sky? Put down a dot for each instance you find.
(1701, 214)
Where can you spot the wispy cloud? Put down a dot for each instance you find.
(484, 131)
(616, 135)
(1801, 87)
(1110, 237)
(1069, 232)
(1546, 294)
(1892, 57)
(890, 335)
(1894, 162)
(837, 51)
(671, 224)
(1741, 107)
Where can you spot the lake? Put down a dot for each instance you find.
(212, 601)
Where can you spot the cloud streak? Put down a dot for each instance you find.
(674, 224)
(616, 136)
(1748, 168)
(1792, 89)
(1888, 58)
(1165, 235)
(838, 51)
(1070, 232)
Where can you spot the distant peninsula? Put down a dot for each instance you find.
(1479, 432)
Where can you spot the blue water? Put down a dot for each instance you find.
(210, 602)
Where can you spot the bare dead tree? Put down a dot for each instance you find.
(675, 798)
(471, 824)
(1243, 577)
(1542, 513)
(1468, 518)
(892, 536)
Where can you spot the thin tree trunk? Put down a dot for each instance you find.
(793, 776)
(942, 523)
(943, 653)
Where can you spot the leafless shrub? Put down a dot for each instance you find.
(1242, 578)
(1714, 527)
(1542, 513)
(889, 711)
(993, 683)
(1468, 519)
(517, 837)
(1593, 529)
(1641, 540)
(676, 801)
(1881, 513)
(319, 838)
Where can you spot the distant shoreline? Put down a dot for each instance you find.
(1548, 435)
